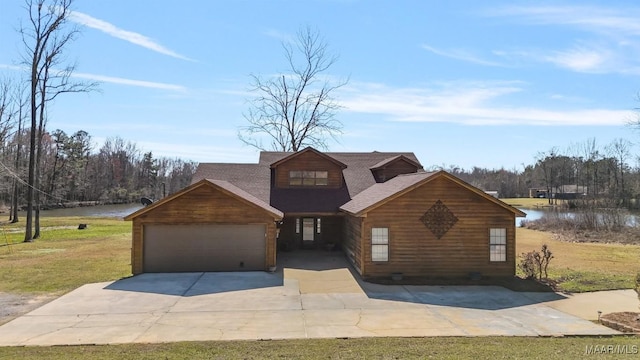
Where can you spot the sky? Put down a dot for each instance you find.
(459, 83)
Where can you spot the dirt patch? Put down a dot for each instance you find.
(15, 305)
(628, 322)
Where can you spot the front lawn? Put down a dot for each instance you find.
(65, 257)
(620, 347)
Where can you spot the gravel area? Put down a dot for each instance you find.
(15, 305)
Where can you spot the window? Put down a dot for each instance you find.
(379, 244)
(308, 178)
(295, 178)
(318, 227)
(498, 244)
(297, 225)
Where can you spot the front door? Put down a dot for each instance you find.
(308, 232)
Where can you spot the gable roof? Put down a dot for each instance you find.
(306, 150)
(386, 162)
(221, 185)
(381, 193)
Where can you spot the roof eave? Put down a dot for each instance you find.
(297, 153)
(275, 213)
(363, 212)
(165, 200)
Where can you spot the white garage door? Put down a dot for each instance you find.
(204, 247)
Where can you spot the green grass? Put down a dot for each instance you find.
(574, 281)
(363, 348)
(582, 267)
(64, 258)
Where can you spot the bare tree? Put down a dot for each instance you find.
(44, 40)
(8, 109)
(296, 109)
(620, 149)
(8, 121)
(17, 182)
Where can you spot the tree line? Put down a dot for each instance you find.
(72, 172)
(595, 173)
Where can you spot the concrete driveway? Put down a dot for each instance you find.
(306, 299)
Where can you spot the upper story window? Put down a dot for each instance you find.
(308, 178)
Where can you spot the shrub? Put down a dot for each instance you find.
(528, 265)
(537, 262)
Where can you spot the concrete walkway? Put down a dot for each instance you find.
(325, 302)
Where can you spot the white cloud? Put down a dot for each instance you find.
(469, 104)
(130, 36)
(112, 80)
(130, 82)
(589, 18)
(607, 40)
(460, 54)
(580, 59)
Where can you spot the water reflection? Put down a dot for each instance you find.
(631, 219)
(112, 211)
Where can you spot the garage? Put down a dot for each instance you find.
(211, 225)
(204, 247)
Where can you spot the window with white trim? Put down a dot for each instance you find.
(497, 244)
(297, 225)
(318, 226)
(380, 244)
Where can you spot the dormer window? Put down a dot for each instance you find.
(308, 178)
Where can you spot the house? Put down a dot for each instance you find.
(381, 209)
(570, 192)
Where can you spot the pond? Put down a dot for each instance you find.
(632, 219)
(532, 214)
(115, 211)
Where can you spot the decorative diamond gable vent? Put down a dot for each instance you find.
(439, 219)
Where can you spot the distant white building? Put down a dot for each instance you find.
(493, 193)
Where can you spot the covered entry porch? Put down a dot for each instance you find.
(310, 231)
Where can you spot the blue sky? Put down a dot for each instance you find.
(466, 83)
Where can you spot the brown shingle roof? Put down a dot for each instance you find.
(252, 178)
(308, 149)
(357, 174)
(381, 191)
(256, 179)
(390, 160)
(239, 193)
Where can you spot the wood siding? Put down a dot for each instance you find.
(415, 251)
(394, 169)
(351, 244)
(308, 161)
(202, 205)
